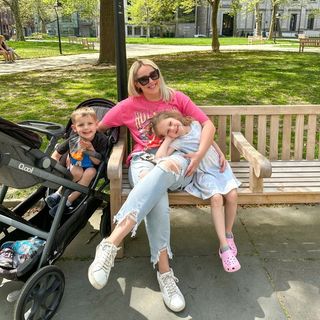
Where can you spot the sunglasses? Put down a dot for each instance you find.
(154, 75)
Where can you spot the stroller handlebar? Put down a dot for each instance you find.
(49, 128)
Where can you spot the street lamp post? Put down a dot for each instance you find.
(56, 6)
(276, 26)
(120, 49)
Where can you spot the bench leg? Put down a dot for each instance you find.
(256, 184)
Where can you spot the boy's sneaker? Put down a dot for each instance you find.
(52, 199)
(67, 210)
(100, 268)
(172, 296)
(53, 210)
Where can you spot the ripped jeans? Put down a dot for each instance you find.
(149, 201)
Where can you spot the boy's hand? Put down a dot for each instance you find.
(86, 145)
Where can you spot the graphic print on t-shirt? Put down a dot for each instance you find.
(142, 121)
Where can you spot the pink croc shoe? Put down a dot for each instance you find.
(232, 246)
(229, 261)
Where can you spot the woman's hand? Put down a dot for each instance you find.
(195, 159)
(222, 162)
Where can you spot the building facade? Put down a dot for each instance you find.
(298, 17)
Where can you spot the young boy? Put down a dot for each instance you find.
(85, 148)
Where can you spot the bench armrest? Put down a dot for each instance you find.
(260, 166)
(114, 169)
(114, 172)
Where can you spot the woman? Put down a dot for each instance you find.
(148, 200)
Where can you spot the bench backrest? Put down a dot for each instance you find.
(278, 132)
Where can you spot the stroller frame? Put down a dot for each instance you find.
(50, 175)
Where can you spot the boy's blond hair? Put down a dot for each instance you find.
(82, 112)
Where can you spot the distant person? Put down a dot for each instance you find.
(3, 50)
(212, 180)
(8, 53)
(82, 147)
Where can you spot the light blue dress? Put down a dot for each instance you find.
(207, 180)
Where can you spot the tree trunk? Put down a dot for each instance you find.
(258, 19)
(235, 30)
(272, 28)
(214, 17)
(14, 6)
(107, 33)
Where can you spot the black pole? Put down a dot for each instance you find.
(58, 26)
(120, 49)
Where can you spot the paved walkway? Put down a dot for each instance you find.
(279, 278)
(133, 50)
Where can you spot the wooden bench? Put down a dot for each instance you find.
(308, 42)
(273, 151)
(87, 44)
(252, 39)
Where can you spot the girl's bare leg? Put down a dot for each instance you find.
(230, 209)
(218, 218)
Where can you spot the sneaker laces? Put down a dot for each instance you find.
(105, 258)
(169, 281)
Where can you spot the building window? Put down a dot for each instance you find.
(137, 31)
(293, 22)
(129, 30)
(310, 22)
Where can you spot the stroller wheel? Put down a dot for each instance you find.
(41, 295)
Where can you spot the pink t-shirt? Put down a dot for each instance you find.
(134, 113)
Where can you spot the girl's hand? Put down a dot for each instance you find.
(194, 163)
(222, 162)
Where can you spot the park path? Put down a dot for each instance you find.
(133, 51)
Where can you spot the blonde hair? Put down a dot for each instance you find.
(163, 115)
(166, 93)
(2, 38)
(82, 112)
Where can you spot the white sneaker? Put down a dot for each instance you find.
(99, 269)
(172, 296)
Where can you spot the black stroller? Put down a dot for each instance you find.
(23, 165)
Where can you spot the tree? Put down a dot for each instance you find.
(14, 6)
(107, 32)
(215, 44)
(150, 13)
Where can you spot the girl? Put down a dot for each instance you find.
(213, 178)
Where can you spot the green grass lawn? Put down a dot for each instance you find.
(222, 79)
(224, 41)
(50, 47)
(40, 49)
